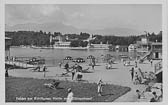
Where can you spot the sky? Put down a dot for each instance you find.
(146, 17)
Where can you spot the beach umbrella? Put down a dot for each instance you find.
(79, 60)
(90, 57)
(68, 58)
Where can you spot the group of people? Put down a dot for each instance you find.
(137, 75)
(154, 96)
(76, 71)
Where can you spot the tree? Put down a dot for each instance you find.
(75, 43)
(83, 44)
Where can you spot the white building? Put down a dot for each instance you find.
(59, 41)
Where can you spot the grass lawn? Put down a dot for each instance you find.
(33, 90)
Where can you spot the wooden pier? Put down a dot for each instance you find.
(25, 62)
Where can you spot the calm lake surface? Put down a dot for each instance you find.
(54, 56)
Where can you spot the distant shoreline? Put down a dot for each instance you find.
(49, 47)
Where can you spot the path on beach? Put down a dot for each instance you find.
(119, 75)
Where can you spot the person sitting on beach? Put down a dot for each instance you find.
(127, 63)
(108, 66)
(154, 98)
(37, 68)
(140, 94)
(52, 85)
(44, 68)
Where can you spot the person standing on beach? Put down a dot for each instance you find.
(74, 71)
(67, 67)
(44, 70)
(70, 95)
(60, 64)
(99, 88)
(136, 63)
(132, 73)
(6, 73)
(92, 66)
(151, 61)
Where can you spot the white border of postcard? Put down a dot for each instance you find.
(164, 27)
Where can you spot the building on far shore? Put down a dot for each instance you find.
(148, 48)
(156, 50)
(144, 45)
(118, 48)
(59, 41)
(121, 48)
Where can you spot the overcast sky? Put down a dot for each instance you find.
(89, 16)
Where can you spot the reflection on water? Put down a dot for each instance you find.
(54, 56)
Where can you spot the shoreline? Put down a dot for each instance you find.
(71, 48)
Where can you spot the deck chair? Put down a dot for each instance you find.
(36, 69)
(85, 70)
(55, 85)
(52, 86)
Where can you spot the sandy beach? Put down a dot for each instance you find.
(118, 75)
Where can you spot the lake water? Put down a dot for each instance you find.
(54, 56)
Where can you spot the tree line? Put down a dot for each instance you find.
(43, 38)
